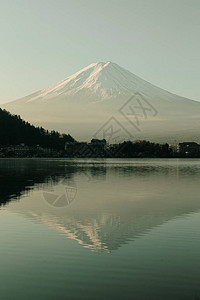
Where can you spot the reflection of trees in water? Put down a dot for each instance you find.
(149, 170)
(19, 176)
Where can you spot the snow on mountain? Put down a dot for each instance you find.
(98, 81)
(82, 102)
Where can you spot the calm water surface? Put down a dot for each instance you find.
(99, 229)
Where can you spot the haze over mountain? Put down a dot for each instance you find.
(104, 100)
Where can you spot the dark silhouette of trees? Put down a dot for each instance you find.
(15, 131)
(140, 149)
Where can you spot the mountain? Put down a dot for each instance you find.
(14, 131)
(104, 100)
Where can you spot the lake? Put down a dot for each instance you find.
(99, 229)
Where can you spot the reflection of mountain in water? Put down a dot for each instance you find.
(120, 202)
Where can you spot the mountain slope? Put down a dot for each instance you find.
(85, 102)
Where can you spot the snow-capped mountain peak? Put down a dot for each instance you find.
(101, 80)
(103, 91)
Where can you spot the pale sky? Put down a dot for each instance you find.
(44, 41)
